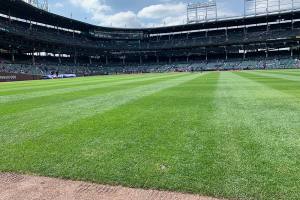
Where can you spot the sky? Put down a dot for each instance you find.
(136, 13)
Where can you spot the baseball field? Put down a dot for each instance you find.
(229, 135)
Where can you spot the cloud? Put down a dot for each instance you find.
(162, 11)
(101, 13)
(121, 19)
(166, 13)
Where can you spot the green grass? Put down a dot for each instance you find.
(230, 134)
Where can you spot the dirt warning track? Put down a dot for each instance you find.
(23, 187)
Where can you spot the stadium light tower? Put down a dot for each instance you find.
(42, 4)
(204, 11)
(256, 7)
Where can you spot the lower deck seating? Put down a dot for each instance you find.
(86, 70)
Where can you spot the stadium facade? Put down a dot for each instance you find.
(38, 36)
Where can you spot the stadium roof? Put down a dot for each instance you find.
(16, 8)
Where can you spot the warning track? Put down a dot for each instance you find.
(23, 187)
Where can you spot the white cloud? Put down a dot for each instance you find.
(101, 13)
(121, 19)
(166, 13)
(162, 11)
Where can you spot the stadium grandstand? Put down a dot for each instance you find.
(38, 42)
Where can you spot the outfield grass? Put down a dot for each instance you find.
(229, 134)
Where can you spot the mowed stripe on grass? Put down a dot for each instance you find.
(111, 140)
(34, 122)
(25, 85)
(260, 128)
(226, 134)
(64, 95)
(286, 72)
(287, 76)
(78, 88)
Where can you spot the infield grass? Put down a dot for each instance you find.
(222, 134)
